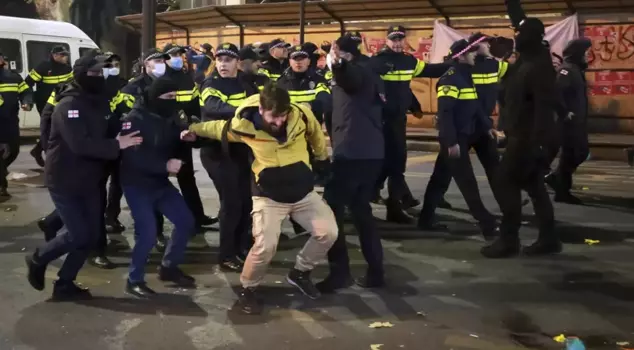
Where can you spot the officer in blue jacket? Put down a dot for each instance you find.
(461, 122)
(145, 180)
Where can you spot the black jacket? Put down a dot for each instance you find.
(487, 74)
(220, 98)
(78, 147)
(47, 75)
(308, 87)
(571, 84)
(460, 115)
(187, 94)
(145, 165)
(13, 92)
(357, 128)
(273, 68)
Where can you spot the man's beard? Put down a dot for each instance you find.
(274, 131)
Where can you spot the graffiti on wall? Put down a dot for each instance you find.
(612, 46)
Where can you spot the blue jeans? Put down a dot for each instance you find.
(144, 203)
(82, 214)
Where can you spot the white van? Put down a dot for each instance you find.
(27, 42)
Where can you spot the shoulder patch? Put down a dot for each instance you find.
(446, 89)
(563, 72)
(73, 114)
(311, 85)
(126, 126)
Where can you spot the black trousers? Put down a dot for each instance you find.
(519, 170)
(14, 149)
(487, 152)
(394, 132)
(352, 185)
(572, 155)
(232, 179)
(461, 170)
(37, 148)
(115, 192)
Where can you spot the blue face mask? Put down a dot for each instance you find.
(176, 62)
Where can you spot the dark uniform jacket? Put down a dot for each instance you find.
(397, 71)
(46, 76)
(308, 87)
(127, 97)
(272, 68)
(571, 84)
(78, 147)
(487, 74)
(187, 94)
(145, 165)
(219, 100)
(357, 128)
(459, 112)
(13, 92)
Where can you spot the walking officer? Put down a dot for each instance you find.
(43, 79)
(276, 61)
(397, 69)
(145, 174)
(572, 86)
(461, 122)
(229, 167)
(14, 94)
(78, 141)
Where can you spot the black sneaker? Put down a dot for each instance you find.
(206, 221)
(175, 275)
(332, 284)
(301, 280)
(543, 247)
(409, 203)
(567, 198)
(114, 226)
(369, 281)
(501, 248)
(551, 181)
(139, 290)
(49, 233)
(444, 204)
(36, 153)
(398, 216)
(36, 272)
(231, 265)
(102, 262)
(248, 302)
(69, 291)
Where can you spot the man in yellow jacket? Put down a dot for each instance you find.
(278, 132)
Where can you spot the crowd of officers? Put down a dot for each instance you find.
(257, 116)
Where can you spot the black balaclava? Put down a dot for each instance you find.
(530, 34)
(163, 107)
(92, 84)
(575, 52)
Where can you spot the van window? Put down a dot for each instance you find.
(39, 51)
(11, 49)
(83, 50)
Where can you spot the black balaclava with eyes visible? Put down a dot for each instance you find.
(166, 108)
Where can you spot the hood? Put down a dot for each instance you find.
(575, 51)
(69, 89)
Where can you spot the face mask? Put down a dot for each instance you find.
(106, 72)
(158, 70)
(176, 62)
(114, 71)
(329, 61)
(92, 84)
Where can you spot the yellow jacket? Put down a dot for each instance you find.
(281, 167)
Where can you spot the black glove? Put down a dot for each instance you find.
(322, 167)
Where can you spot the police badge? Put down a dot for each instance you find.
(311, 85)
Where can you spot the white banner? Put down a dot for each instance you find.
(558, 35)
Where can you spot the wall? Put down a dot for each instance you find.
(610, 77)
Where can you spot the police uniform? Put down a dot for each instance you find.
(147, 188)
(248, 53)
(43, 79)
(273, 67)
(14, 92)
(397, 70)
(229, 167)
(78, 141)
(460, 121)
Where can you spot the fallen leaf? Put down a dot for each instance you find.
(474, 335)
(376, 346)
(381, 325)
(591, 241)
(421, 313)
(623, 343)
(278, 282)
(585, 188)
(560, 338)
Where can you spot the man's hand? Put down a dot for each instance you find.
(174, 166)
(493, 134)
(4, 150)
(418, 114)
(570, 115)
(188, 136)
(454, 151)
(26, 107)
(129, 140)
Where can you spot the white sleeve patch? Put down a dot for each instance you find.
(126, 126)
(73, 114)
(563, 72)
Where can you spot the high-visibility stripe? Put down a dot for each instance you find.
(468, 94)
(115, 101)
(1, 101)
(328, 75)
(234, 100)
(57, 79)
(448, 91)
(398, 75)
(503, 67)
(23, 87)
(485, 78)
(127, 99)
(51, 99)
(420, 67)
(270, 75)
(321, 87)
(9, 87)
(35, 75)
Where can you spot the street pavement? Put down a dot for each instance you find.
(442, 294)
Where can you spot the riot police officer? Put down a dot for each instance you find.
(276, 61)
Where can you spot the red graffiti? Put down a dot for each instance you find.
(615, 42)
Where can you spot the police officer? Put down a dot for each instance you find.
(530, 100)
(145, 174)
(229, 167)
(571, 84)
(460, 122)
(43, 79)
(358, 150)
(248, 64)
(188, 102)
(14, 93)
(276, 61)
(397, 69)
(78, 141)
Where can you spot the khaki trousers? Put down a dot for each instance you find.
(311, 212)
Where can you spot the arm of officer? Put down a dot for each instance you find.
(142, 157)
(415, 107)
(26, 93)
(45, 120)
(214, 104)
(213, 130)
(74, 130)
(314, 133)
(503, 67)
(447, 95)
(323, 101)
(349, 76)
(36, 74)
(429, 70)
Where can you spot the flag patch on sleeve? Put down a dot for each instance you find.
(73, 114)
(126, 126)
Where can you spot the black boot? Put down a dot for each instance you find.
(248, 302)
(231, 265)
(410, 202)
(568, 198)
(114, 226)
(551, 181)
(176, 276)
(301, 280)
(371, 281)
(332, 283)
(543, 247)
(49, 233)
(36, 271)
(206, 221)
(69, 291)
(377, 199)
(139, 290)
(502, 248)
(102, 262)
(444, 204)
(431, 225)
(36, 153)
(396, 214)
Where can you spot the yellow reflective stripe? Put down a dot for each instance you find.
(485, 78)
(22, 87)
(1, 101)
(448, 91)
(209, 92)
(35, 75)
(51, 99)
(57, 79)
(115, 101)
(260, 87)
(468, 94)
(127, 99)
(184, 95)
(264, 72)
(420, 67)
(398, 75)
(302, 96)
(9, 87)
(502, 68)
(321, 87)
(196, 92)
(328, 75)
(236, 102)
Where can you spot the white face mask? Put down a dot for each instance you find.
(106, 72)
(159, 70)
(114, 71)
(329, 61)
